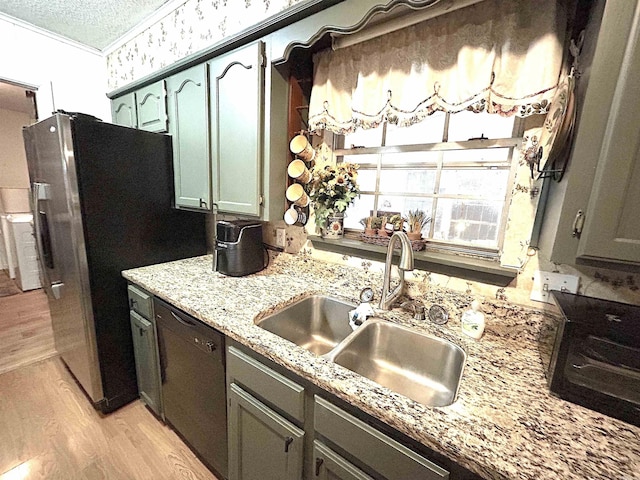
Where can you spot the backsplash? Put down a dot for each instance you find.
(594, 282)
(194, 26)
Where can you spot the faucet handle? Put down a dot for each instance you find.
(438, 315)
(366, 295)
(416, 307)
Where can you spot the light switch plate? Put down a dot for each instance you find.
(544, 282)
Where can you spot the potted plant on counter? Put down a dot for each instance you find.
(417, 220)
(371, 225)
(332, 189)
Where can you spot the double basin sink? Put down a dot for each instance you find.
(425, 368)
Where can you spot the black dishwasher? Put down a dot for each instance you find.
(192, 364)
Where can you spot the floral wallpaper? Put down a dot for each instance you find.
(194, 26)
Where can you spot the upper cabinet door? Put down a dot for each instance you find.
(612, 227)
(237, 104)
(123, 110)
(151, 107)
(188, 111)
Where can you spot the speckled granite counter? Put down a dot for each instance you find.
(504, 424)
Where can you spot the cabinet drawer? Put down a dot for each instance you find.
(140, 301)
(266, 383)
(383, 454)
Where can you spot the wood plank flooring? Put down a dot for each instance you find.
(25, 330)
(7, 285)
(49, 430)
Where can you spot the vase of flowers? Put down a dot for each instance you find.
(332, 189)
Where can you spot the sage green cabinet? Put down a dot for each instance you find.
(123, 110)
(151, 107)
(145, 347)
(236, 82)
(612, 224)
(592, 216)
(145, 351)
(329, 465)
(188, 112)
(262, 444)
(378, 452)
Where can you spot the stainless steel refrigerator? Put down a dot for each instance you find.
(102, 203)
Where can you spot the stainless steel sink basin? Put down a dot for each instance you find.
(424, 368)
(317, 323)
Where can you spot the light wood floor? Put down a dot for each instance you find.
(7, 285)
(25, 330)
(49, 430)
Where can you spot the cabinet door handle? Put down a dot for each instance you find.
(578, 223)
(133, 303)
(141, 331)
(203, 204)
(287, 441)
(319, 462)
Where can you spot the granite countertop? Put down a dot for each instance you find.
(504, 423)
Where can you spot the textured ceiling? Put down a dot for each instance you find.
(95, 23)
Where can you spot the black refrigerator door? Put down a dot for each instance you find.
(125, 182)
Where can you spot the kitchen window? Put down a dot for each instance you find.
(434, 114)
(455, 167)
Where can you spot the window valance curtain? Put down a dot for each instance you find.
(498, 56)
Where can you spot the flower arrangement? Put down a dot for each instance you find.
(332, 189)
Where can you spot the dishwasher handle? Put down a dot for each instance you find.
(183, 321)
(189, 329)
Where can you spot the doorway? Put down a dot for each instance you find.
(26, 335)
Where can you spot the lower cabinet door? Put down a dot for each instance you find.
(328, 465)
(262, 444)
(145, 351)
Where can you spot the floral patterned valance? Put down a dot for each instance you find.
(498, 56)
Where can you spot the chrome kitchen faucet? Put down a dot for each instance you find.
(406, 263)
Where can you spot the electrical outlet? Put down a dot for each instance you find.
(544, 282)
(281, 238)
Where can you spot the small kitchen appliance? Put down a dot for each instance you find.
(591, 355)
(239, 248)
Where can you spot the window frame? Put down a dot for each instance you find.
(514, 143)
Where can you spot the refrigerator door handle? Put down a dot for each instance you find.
(41, 191)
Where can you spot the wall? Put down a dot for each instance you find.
(595, 282)
(195, 25)
(13, 162)
(75, 77)
(200, 23)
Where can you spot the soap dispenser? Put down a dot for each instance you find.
(473, 321)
